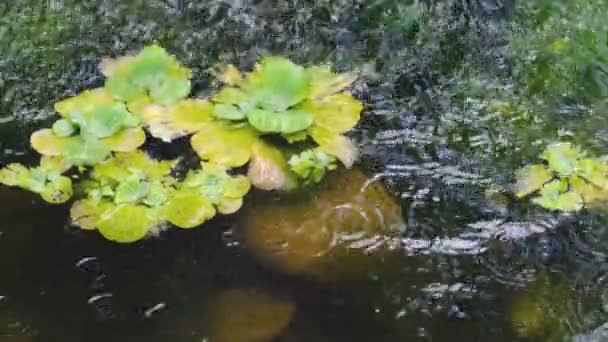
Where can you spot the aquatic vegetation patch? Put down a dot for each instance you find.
(567, 181)
(284, 122)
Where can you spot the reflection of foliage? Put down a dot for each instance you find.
(564, 52)
(127, 194)
(567, 182)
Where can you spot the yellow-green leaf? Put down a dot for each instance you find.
(45, 142)
(125, 223)
(268, 169)
(85, 213)
(338, 113)
(126, 140)
(188, 209)
(222, 144)
(324, 82)
(58, 190)
(531, 178)
(335, 144)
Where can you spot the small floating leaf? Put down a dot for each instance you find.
(83, 103)
(210, 143)
(282, 84)
(188, 209)
(126, 141)
(183, 118)
(58, 164)
(228, 112)
(311, 165)
(231, 95)
(13, 174)
(563, 158)
(63, 128)
(285, 122)
(125, 223)
(85, 213)
(131, 190)
(594, 171)
(338, 113)
(80, 151)
(324, 82)
(47, 143)
(554, 196)
(57, 190)
(105, 120)
(336, 145)
(531, 178)
(589, 192)
(268, 169)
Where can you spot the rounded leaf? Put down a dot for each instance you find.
(284, 122)
(531, 178)
(85, 213)
(59, 190)
(268, 169)
(170, 91)
(563, 158)
(80, 151)
(224, 145)
(189, 209)
(105, 120)
(63, 128)
(126, 140)
(125, 223)
(47, 143)
(228, 112)
(13, 174)
(131, 190)
(283, 84)
(338, 113)
(229, 206)
(324, 82)
(83, 103)
(231, 95)
(59, 164)
(336, 145)
(237, 186)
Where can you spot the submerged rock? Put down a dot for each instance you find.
(247, 315)
(342, 229)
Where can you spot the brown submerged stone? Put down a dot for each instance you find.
(340, 230)
(247, 315)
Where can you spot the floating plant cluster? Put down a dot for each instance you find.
(278, 127)
(567, 181)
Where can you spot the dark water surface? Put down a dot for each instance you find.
(469, 257)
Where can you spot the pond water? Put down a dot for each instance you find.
(458, 94)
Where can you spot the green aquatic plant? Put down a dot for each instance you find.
(131, 194)
(312, 165)
(92, 125)
(152, 74)
(567, 181)
(126, 195)
(45, 179)
(281, 97)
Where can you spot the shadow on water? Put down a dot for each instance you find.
(469, 255)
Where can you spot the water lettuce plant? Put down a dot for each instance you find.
(285, 123)
(92, 125)
(45, 179)
(567, 181)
